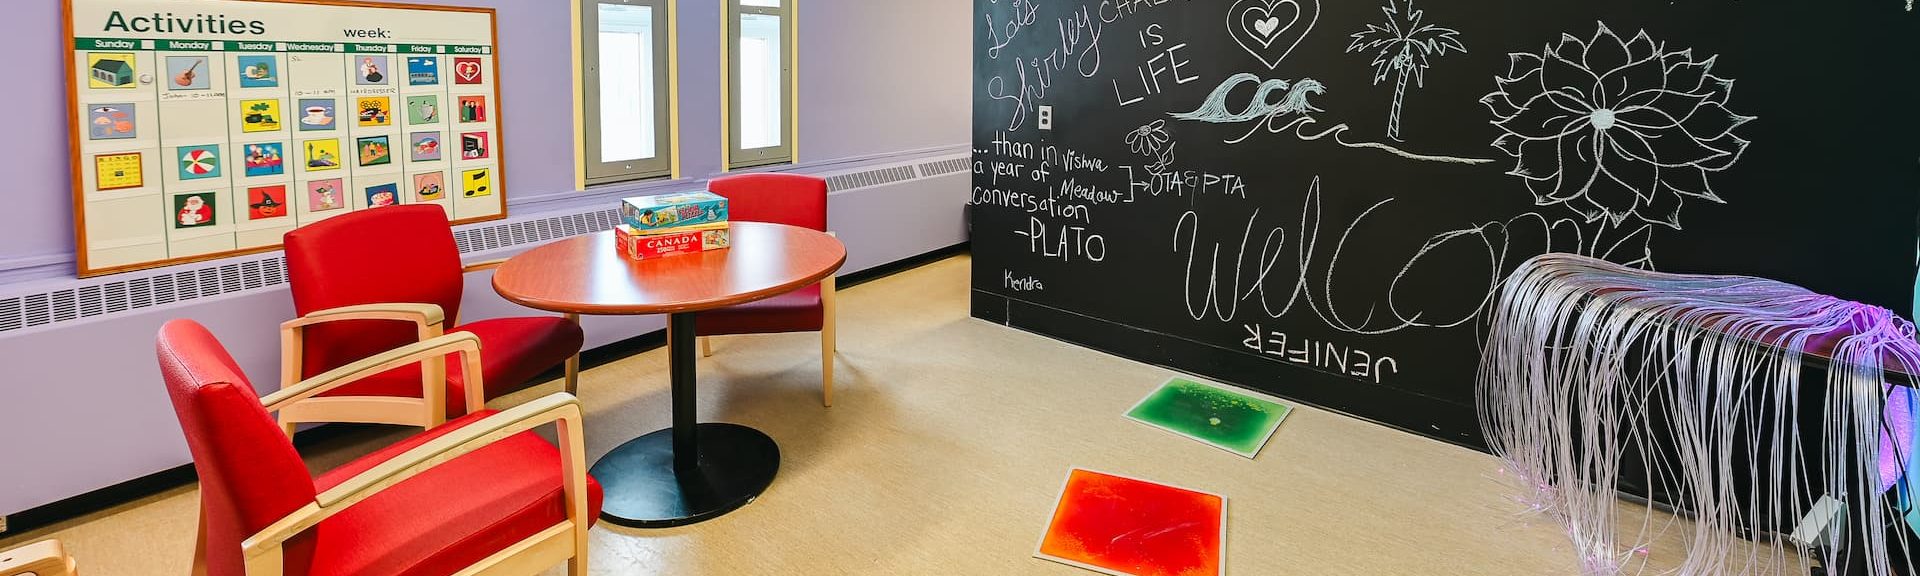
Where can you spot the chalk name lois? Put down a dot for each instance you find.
(151, 81)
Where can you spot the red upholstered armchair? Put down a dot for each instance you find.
(375, 280)
(789, 199)
(481, 494)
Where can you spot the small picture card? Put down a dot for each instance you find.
(473, 146)
(260, 115)
(195, 210)
(118, 171)
(199, 162)
(423, 109)
(1126, 526)
(374, 151)
(264, 159)
(374, 110)
(473, 108)
(111, 71)
(259, 71)
(111, 122)
(425, 146)
(370, 71)
(423, 70)
(476, 183)
(324, 195)
(266, 202)
(187, 73)
(383, 195)
(317, 114)
(322, 154)
(466, 70)
(1234, 420)
(430, 186)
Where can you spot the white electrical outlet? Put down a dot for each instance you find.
(1046, 117)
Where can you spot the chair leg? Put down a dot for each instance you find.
(573, 365)
(827, 345)
(200, 543)
(706, 346)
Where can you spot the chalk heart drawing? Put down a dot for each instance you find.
(1271, 29)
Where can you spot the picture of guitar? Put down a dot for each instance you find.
(185, 79)
(184, 71)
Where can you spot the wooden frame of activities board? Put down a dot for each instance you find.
(209, 129)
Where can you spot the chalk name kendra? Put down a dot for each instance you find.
(167, 23)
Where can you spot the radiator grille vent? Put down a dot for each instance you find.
(948, 166)
(869, 178)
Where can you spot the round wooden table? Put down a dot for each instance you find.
(692, 471)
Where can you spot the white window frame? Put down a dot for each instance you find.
(738, 157)
(594, 170)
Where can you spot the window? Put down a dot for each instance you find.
(760, 77)
(625, 89)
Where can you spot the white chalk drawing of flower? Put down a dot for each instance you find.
(1615, 129)
(1153, 141)
(1149, 138)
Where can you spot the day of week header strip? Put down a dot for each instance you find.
(273, 46)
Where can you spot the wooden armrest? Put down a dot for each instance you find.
(424, 314)
(262, 550)
(46, 558)
(483, 265)
(464, 343)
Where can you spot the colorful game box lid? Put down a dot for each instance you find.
(644, 246)
(645, 213)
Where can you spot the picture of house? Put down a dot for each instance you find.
(111, 72)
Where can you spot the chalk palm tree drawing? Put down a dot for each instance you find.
(1403, 47)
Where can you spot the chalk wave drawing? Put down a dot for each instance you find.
(1289, 114)
(1153, 141)
(1403, 46)
(1615, 129)
(1271, 29)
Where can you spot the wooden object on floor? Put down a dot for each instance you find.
(43, 558)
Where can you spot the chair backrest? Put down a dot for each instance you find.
(790, 199)
(250, 475)
(383, 255)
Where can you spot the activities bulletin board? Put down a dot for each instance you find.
(211, 128)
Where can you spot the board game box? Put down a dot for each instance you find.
(648, 213)
(634, 244)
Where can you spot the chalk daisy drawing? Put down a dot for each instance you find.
(1154, 142)
(1616, 129)
(1403, 47)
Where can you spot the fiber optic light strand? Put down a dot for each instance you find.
(1591, 368)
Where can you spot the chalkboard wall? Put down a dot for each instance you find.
(1316, 198)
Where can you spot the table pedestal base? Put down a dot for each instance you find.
(644, 490)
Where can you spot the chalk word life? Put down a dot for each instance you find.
(1164, 61)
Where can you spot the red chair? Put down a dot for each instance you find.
(375, 280)
(789, 199)
(482, 492)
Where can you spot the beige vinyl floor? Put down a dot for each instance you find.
(943, 453)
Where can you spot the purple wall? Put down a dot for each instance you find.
(882, 92)
(866, 72)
